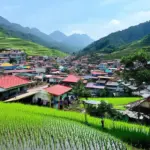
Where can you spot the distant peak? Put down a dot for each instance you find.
(57, 32)
(58, 36)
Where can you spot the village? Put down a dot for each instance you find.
(50, 81)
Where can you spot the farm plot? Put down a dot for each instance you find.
(117, 102)
(28, 124)
(21, 130)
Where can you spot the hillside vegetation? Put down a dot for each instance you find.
(27, 122)
(115, 41)
(133, 47)
(31, 48)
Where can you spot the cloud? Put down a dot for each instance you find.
(114, 22)
(97, 29)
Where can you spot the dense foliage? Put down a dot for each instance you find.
(136, 67)
(80, 90)
(106, 110)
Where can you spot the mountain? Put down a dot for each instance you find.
(114, 41)
(58, 36)
(4, 21)
(57, 39)
(76, 42)
(133, 47)
(9, 40)
(32, 34)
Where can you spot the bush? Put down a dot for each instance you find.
(104, 110)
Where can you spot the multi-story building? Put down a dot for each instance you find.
(12, 55)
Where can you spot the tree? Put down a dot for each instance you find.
(136, 67)
(80, 90)
(103, 93)
(66, 70)
(104, 109)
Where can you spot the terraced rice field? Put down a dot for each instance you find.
(29, 47)
(30, 127)
(20, 130)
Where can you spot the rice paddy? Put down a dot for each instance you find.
(21, 130)
(30, 127)
(117, 102)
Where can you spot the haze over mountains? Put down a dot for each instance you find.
(76, 41)
(56, 40)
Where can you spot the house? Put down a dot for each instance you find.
(10, 86)
(142, 106)
(71, 80)
(17, 55)
(110, 72)
(97, 73)
(111, 85)
(7, 66)
(94, 87)
(54, 79)
(58, 92)
(13, 72)
(91, 78)
(102, 66)
(42, 98)
(107, 78)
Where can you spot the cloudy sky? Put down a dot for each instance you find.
(96, 18)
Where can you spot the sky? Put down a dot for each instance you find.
(97, 18)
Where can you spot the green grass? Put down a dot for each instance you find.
(28, 127)
(118, 102)
(18, 118)
(29, 47)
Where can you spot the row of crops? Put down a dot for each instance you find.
(21, 130)
(45, 128)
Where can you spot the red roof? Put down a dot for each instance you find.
(72, 79)
(58, 90)
(12, 81)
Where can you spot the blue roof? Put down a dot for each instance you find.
(108, 71)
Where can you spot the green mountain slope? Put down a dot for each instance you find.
(144, 43)
(113, 41)
(7, 41)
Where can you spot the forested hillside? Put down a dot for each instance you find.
(144, 43)
(114, 41)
